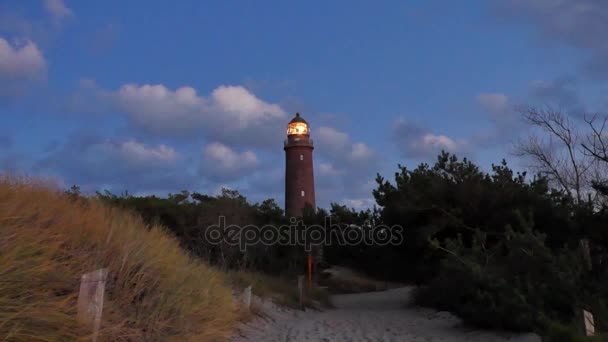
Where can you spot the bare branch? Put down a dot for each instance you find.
(596, 145)
(559, 159)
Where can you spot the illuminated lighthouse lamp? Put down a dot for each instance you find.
(297, 126)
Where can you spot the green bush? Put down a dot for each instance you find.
(509, 285)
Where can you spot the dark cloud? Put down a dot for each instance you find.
(559, 92)
(95, 163)
(268, 182)
(581, 24)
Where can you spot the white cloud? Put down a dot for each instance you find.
(439, 141)
(493, 103)
(415, 141)
(338, 146)
(222, 162)
(138, 151)
(361, 153)
(430, 144)
(230, 114)
(158, 98)
(135, 154)
(22, 62)
(359, 203)
(504, 117)
(157, 108)
(332, 139)
(244, 105)
(345, 165)
(57, 9)
(328, 169)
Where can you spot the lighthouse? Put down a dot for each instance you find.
(299, 174)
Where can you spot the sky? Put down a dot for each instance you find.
(155, 97)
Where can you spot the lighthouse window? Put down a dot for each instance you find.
(301, 157)
(302, 193)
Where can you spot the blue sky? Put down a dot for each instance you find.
(158, 96)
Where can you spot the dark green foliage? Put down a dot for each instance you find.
(507, 285)
(372, 259)
(189, 215)
(499, 250)
(454, 197)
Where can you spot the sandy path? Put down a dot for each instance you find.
(376, 316)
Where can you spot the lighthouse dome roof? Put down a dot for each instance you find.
(298, 118)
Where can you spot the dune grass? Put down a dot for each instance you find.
(281, 290)
(154, 292)
(345, 280)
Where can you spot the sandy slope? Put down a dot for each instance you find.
(375, 316)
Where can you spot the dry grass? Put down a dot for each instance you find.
(282, 291)
(344, 280)
(155, 291)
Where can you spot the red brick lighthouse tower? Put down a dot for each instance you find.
(299, 174)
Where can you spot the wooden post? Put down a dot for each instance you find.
(90, 299)
(584, 322)
(309, 270)
(301, 291)
(589, 324)
(247, 297)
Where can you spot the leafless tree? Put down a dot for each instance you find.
(596, 145)
(558, 154)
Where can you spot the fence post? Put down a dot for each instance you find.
(247, 297)
(589, 324)
(90, 299)
(584, 322)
